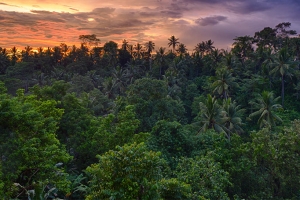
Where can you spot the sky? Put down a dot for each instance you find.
(43, 23)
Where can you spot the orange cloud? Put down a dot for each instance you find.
(50, 22)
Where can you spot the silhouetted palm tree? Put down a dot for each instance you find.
(209, 46)
(200, 48)
(125, 45)
(181, 49)
(173, 41)
(149, 47)
(138, 47)
(14, 56)
(131, 50)
(26, 54)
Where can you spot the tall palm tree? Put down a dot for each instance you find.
(268, 61)
(149, 47)
(234, 114)
(284, 66)
(265, 105)
(173, 41)
(211, 115)
(160, 58)
(223, 83)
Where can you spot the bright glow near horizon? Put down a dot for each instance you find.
(51, 22)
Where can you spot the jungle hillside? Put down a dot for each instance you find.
(138, 121)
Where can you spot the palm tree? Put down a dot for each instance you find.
(131, 50)
(40, 51)
(234, 115)
(57, 54)
(124, 45)
(201, 48)
(223, 82)
(228, 59)
(149, 47)
(27, 53)
(120, 78)
(173, 42)
(14, 56)
(4, 60)
(265, 105)
(161, 58)
(209, 46)
(216, 55)
(64, 49)
(284, 66)
(296, 47)
(73, 53)
(138, 47)
(211, 115)
(181, 49)
(268, 61)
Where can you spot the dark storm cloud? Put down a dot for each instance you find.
(210, 21)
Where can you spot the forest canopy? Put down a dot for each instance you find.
(137, 121)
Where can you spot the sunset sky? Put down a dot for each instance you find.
(51, 22)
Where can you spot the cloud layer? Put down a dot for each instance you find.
(49, 23)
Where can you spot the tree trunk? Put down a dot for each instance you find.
(282, 91)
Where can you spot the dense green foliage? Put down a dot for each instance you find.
(142, 122)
